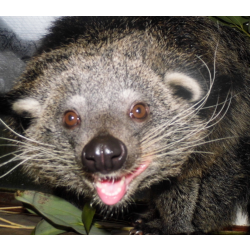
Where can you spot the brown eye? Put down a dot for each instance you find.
(71, 119)
(139, 111)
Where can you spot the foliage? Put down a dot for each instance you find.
(87, 217)
(59, 215)
(239, 22)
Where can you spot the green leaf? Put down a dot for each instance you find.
(239, 22)
(58, 212)
(87, 216)
(231, 20)
(30, 210)
(225, 19)
(55, 209)
(98, 231)
(45, 228)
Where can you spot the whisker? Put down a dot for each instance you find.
(180, 150)
(19, 164)
(165, 131)
(230, 99)
(16, 158)
(11, 153)
(23, 137)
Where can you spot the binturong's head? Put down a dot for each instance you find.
(114, 115)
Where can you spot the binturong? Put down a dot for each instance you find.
(111, 107)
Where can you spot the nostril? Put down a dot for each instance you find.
(121, 156)
(104, 154)
(88, 160)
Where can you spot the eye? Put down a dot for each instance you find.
(139, 111)
(71, 119)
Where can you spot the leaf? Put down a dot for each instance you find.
(98, 231)
(56, 210)
(30, 210)
(239, 22)
(45, 228)
(225, 19)
(87, 216)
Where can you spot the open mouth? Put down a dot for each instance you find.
(112, 191)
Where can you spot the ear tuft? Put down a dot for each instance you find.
(184, 86)
(27, 107)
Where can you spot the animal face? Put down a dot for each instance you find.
(105, 124)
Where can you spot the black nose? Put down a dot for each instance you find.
(104, 154)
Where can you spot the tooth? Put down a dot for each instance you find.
(123, 180)
(98, 184)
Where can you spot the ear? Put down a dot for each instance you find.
(23, 107)
(21, 111)
(184, 86)
(27, 107)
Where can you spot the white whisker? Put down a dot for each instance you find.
(19, 164)
(184, 127)
(23, 137)
(11, 153)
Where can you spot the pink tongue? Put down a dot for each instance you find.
(111, 192)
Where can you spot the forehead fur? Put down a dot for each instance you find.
(129, 96)
(76, 102)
